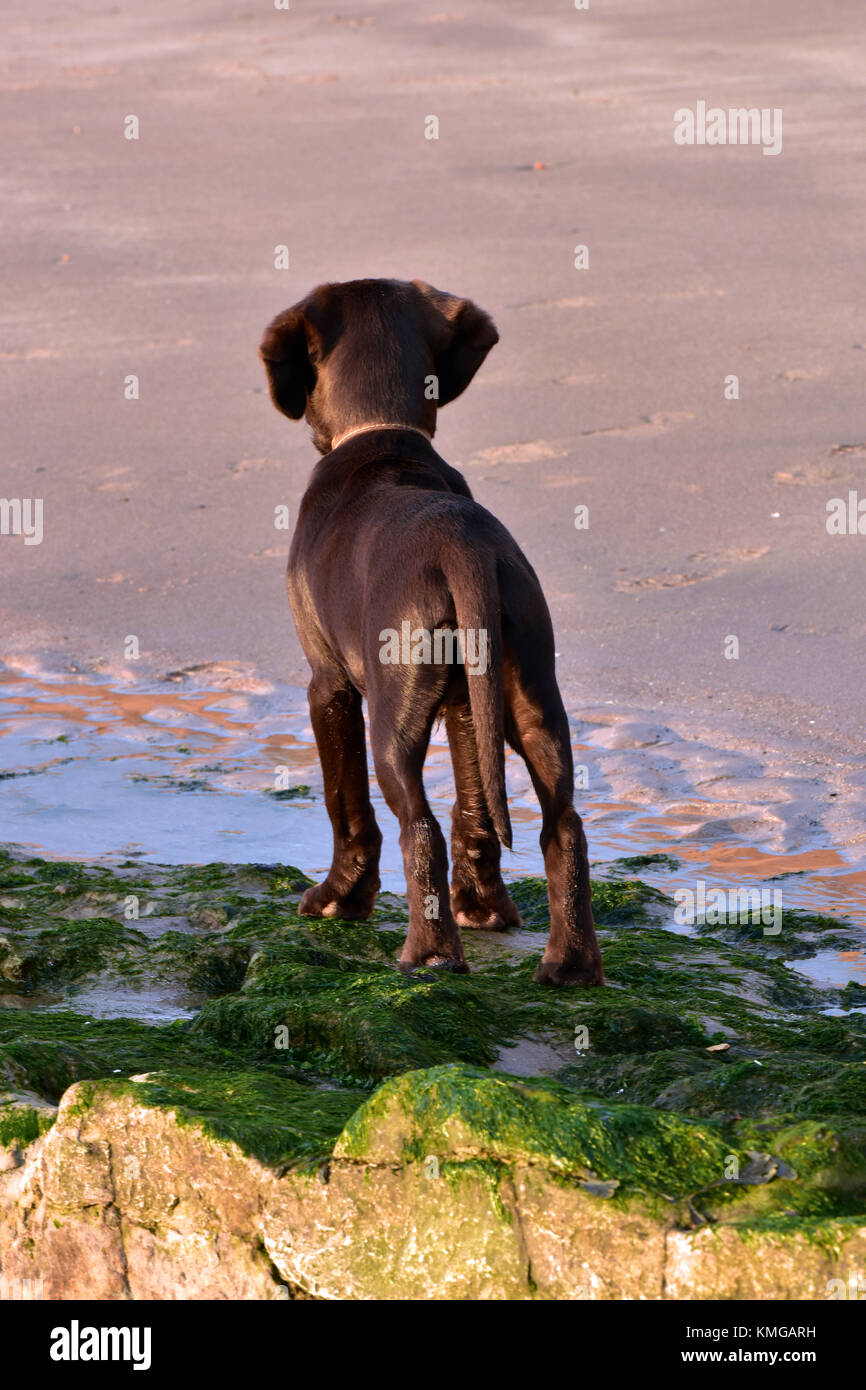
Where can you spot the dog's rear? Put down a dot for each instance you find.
(396, 577)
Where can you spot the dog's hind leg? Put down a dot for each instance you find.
(338, 723)
(479, 898)
(536, 726)
(433, 939)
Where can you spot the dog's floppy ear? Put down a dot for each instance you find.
(284, 351)
(462, 336)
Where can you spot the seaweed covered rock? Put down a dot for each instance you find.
(183, 1185)
(254, 1104)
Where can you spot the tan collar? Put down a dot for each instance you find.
(375, 425)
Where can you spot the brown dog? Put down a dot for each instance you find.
(407, 591)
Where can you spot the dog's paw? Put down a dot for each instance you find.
(568, 973)
(322, 901)
(482, 920)
(497, 915)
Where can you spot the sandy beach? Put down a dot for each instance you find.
(205, 1092)
(154, 258)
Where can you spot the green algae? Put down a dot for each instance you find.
(624, 1027)
(299, 1010)
(823, 1174)
(634, 863)
(218, 877)
(614, 901)
(738, 1172)
(358, 1026)
(276, 1119)
(736, 1085)
(793, 934)
(21, 1124)
(461, 1110)
(65, 951)
(349, 944)
(530, 898)
(45, 883)
(203, 877)
(210, 967)
(47, 1051)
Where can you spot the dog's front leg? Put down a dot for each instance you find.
(337, 717)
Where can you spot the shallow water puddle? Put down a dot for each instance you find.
(148, 1004)
(834, 968)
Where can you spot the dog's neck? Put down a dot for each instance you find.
(375, 425)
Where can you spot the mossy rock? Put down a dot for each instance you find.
(465, 1113)
(357, 1025)
(21, 1123)
(64, 952)
(460, 1114)
(308, 1042)
(273, 1118)
(624, 1027)
(46, 1052)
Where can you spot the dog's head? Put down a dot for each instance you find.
(371, 351)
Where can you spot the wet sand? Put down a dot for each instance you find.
(707, 516)
(171, 773)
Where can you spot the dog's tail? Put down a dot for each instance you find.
(471, 576)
